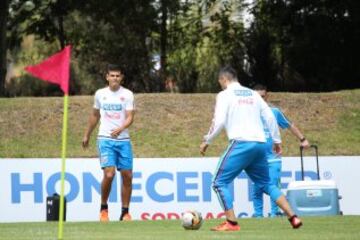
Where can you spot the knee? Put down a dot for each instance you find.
(274, 192)
(271, 188)
(214, 186)
(109, 174)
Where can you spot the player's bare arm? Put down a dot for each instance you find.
(303, 141)
(203, 147)
(93, 120)
(128, 121)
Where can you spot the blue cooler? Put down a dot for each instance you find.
(313, 198)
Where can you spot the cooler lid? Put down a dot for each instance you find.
(308, 184)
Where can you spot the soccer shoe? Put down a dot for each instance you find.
(126, 217)
(226, 227)
(295, 221)
(104, 215)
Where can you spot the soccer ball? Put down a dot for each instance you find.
(191, 220)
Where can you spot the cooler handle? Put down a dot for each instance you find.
(302, 161)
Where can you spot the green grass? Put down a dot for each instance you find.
(319, 228)
(172, 125)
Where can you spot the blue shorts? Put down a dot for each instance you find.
(114, 153)
(248, 156)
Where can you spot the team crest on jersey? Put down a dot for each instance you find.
(122, 98)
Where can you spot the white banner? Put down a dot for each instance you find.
(162, 187)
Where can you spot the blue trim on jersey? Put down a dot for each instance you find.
(280, 117)
(283, 123)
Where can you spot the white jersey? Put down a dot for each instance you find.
(113, 107)
(239, 110)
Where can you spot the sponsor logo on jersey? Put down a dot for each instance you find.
(112, 107)
(243, 93)
(248, 101)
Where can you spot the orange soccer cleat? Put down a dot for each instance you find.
(126, 217)
(226, 227)
(104, 215)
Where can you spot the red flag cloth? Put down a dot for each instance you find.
(54, 69)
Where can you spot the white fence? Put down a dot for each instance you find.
(162, 187)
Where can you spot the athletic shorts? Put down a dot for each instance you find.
(114, 153)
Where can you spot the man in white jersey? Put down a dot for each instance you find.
(114, 107)
(240, 111)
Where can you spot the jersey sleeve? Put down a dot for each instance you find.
(269, 119)
(97, 104)
(129, 103)
(219, 118)
(281, 119)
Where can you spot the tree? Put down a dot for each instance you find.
(117, 31)
(263, 49)
(4, 10)
(324, 45)
(45, 20)
(314, 43)
(101, 32)
(203, 38)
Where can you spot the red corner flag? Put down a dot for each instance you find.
(54, 69)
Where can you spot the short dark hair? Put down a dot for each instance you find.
(260, 87)
(114, 67)
(228, 72)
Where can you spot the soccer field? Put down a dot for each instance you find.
(335, 227)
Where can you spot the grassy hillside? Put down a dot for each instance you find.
(172, 125)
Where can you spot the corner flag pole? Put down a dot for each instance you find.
(63, 162)
(56, 69)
